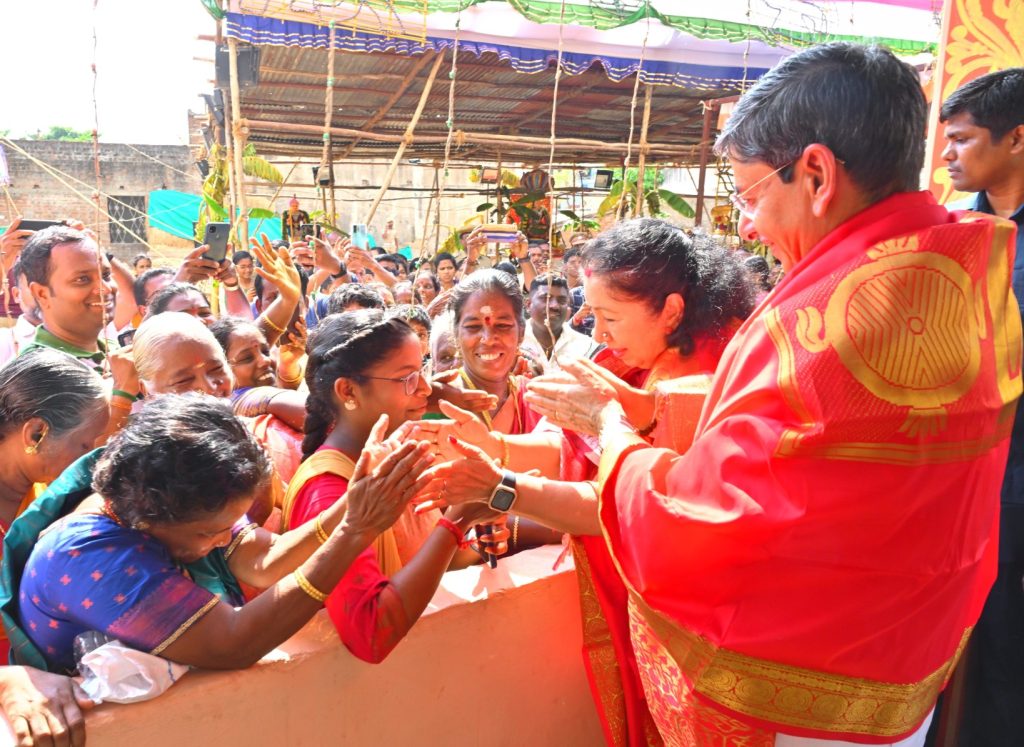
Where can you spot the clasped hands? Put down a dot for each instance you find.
(392, 471)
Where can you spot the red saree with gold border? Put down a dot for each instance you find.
(814, 562)
(682, 385)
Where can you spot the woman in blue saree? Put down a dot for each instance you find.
(148, 541)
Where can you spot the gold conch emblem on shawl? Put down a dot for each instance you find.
(899, 325)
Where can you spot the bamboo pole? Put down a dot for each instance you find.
(234, 180)
(406, 139)
(497, 190)
(524, 142)
(238, 141)
(426, 219)
(642, 159)
(325, 159)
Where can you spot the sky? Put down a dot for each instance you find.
(147, 80)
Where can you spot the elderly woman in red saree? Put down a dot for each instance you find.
(665, 306)
(810, 569)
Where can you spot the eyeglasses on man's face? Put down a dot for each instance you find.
(739, 200)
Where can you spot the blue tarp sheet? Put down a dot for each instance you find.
(175, 212)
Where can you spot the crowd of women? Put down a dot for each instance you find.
(249, 458)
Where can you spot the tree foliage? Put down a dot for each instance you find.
(59, 132)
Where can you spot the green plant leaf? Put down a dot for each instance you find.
(571, 215)
(530, 197)
(262, 213)
(524, 212)
(609, 203)
(261, 168)
(484, 207)
(653, 204)
(676, 202)
(216, 209)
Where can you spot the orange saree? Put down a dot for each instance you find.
(813, 564)
(682, 385)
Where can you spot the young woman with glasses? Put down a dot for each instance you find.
(362, 366)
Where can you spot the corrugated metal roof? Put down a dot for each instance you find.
(490, 97)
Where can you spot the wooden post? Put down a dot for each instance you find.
(642, 160)
(238, 141)
(710, 114)
(325, 159)
(406, 139)
(497, 190)
(426, 220)
(234, 180)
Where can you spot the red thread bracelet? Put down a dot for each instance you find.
(451, 526)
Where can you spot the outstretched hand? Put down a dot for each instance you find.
(276, 266)
(474, 400)
(194, 268)
(11, 243)
(574, 398)
(471, 478)
(462, 424)
(377, 495)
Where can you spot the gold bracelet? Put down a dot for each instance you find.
(321, 533)
(515, 532)
(285, 380)
(306, 586)
(505, 454)
(269, 322)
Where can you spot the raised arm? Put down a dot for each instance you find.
(564, 506)
(277, 268)
(234, 638)
(125, 308)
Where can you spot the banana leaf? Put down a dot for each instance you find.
(609, 203)
(216, 209)
(676, 202)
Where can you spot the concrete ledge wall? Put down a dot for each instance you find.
(518, 625)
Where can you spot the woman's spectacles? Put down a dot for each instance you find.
(412, 381)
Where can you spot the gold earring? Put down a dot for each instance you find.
(33, 449)
(350, 404)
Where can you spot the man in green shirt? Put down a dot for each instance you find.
(71, 283)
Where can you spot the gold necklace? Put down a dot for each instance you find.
(486, 416)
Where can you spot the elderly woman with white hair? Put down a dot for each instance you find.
(175, 353)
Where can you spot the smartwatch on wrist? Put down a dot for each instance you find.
(504, 495)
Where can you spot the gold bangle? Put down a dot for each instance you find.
(269, 322)
(515, 533)
(321, 533)
(285, 380)
(306, 586)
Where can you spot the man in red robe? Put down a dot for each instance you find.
(811, 568)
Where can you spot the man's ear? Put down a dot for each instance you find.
(821, 173)
(1016, 142)
(41, 293)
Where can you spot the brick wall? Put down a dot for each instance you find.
(124, 172)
